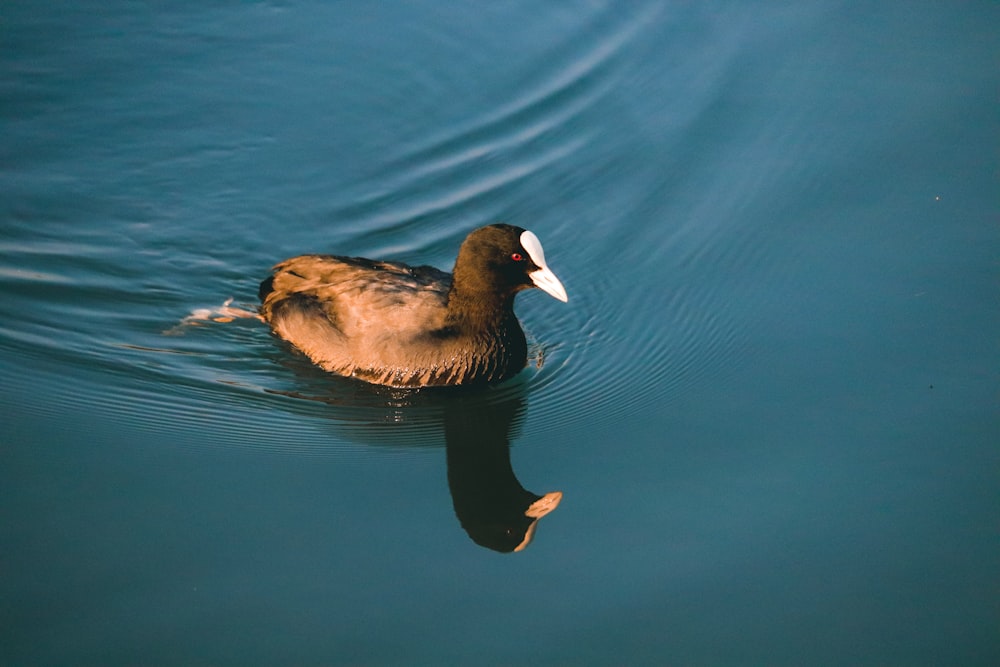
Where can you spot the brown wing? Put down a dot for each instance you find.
(348, 312)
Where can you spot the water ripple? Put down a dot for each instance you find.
(88, 300)
(454, 177)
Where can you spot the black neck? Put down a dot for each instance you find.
(478, 302)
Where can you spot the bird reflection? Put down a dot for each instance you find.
(490, 503)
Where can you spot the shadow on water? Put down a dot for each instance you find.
(478, 425)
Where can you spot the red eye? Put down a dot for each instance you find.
(517, 257)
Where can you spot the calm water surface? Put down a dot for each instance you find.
(772, 403)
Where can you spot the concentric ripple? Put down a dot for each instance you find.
(92, 295)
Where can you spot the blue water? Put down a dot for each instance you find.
(772, 403)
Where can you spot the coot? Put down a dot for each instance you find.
(412, 326)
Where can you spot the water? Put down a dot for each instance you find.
(771, 403)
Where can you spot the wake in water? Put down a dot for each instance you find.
(222, 314)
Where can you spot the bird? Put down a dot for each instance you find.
(388, 323)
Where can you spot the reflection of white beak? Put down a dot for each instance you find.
(536, 511)
(544, 505)
(543, 277)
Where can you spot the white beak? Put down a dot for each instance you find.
(543, 277)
